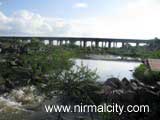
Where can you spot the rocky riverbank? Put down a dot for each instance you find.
(28, 104)
(133, 92)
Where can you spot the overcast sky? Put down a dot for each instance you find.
(85, 18)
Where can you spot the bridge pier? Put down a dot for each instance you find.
(105, 44)
(84, 44)
(109, 44)
(65, 42)
(50, 42)
(123, 44)
(57, 42)
(92, 44)
(116, 44)
(102, 44)
(53, 42)
(97, 44)
(80, 42)
(137, 44)
(61, 42)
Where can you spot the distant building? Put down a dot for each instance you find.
(153, 64)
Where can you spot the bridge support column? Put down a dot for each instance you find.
(123, 44)
(92, 44)
(116, 44)
(58, 42)
(105, 44)
(109, 44)
(80, 44)
(97, 44)
(66, 42)
(84, 44)
(50, 42)
(102, 44)
(61, 42)
(137, 44)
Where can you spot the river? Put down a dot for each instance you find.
(106, 69)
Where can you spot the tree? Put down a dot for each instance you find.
(31, 63)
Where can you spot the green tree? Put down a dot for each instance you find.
(31, 63)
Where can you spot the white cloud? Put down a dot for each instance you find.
(138, 19)
(28, 23)
(80, 5)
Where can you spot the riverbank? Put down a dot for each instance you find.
(109, 57)
(19, 104)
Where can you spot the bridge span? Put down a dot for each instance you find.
(94, 42)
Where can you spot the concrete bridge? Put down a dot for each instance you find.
(82, 41)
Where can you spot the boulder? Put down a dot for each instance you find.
(125, 84)
(134, 92)
(113, 82)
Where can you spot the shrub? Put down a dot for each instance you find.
(145, 75)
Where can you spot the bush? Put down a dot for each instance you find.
(77, 85)
(31, 63)
(145, 75)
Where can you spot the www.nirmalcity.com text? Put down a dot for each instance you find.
(115, 108)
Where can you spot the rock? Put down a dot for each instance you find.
(145, 96)
(134, 92)
(128, 97)
(106, 90)
(113, 82)
(118, 92)
(125, 81)
(134, 86)
(125, 84)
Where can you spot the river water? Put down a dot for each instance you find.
(106, 69)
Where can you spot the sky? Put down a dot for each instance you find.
(81, 18)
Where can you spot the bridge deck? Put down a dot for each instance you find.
(77, 39)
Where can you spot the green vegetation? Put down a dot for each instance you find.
(49, 69)
(145, 75)
(151, 50)
(24, 64)
(147, 51)
(77, 85)
(141, 52)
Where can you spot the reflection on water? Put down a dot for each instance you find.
(107, 69)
